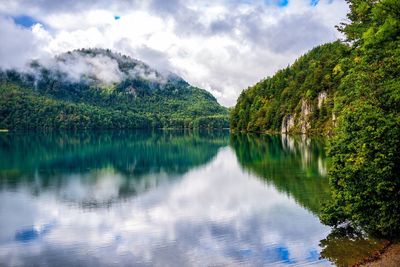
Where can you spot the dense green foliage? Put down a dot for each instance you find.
(365, 150)
(47, 98)
(212, 122)
(22, 109)
(263, 107)
(361, 106)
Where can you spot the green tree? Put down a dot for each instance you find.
(365, 174)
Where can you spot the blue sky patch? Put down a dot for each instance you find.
(279, 3)
(283, 3)
(314, 2)
(25, 21)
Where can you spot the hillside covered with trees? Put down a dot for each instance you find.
(350, 90)
(97, 88)
(297, 99)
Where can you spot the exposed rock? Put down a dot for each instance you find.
(322, 98)
(306, 110)
(131, 91)
(287, 123)
(334, 119)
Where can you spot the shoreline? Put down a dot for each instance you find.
(388, 256)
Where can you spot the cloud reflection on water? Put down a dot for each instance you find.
(213, 214)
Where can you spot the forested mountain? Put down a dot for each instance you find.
(350, 90)
(97, 88)
(299, 98)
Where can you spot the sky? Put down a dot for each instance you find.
(223, 46)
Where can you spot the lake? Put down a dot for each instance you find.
(123, 198)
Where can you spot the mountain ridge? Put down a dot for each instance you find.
(99, 82)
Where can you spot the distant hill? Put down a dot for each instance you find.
(98, 88)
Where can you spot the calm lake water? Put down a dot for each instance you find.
(162, 199)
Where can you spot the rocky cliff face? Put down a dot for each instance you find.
(300, 122)
(322, 98)
(305, 123)
(287, 124)
(306, 120)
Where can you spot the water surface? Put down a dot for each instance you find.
(161, 199)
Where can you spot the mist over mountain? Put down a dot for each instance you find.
(81, 85)
(101, 67)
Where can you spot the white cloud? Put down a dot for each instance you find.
(19, 44)
(101, 67)
(222, 46)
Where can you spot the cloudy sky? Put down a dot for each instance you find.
(223, 46)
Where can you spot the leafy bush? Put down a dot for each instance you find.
(365, 174)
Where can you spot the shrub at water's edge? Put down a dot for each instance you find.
(365, 150)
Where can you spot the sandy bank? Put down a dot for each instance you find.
(390, 257)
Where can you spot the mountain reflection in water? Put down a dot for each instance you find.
(160, 199)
